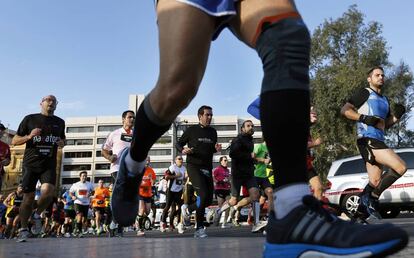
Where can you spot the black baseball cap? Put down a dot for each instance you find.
(2, 127)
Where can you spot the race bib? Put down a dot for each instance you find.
(126, 137)
(83, 192)
(44, 150)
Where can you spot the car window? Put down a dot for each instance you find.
(408, 157)
(351, 167)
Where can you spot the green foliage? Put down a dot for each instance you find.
(343, 50)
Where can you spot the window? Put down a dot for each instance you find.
(160, 164)
(102, 166)
(100, 140)
(106, 179)
(80, 129)
(225, 139)
(72, 180)
(351, 167)
(257, 140)
(69, 181)
(80, 154)
(99, 154)
(225, 151)
(224, 127)
(257, 128)
(79, 142)
(108, 128)
(164, 140)
(78, 167)
(160, 152)
(408, 157)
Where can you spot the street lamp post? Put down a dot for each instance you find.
(175, 127)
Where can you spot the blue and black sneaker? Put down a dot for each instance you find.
(370, 205)
(311, 231)
(125, 201)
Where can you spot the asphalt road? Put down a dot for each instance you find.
(234, 242)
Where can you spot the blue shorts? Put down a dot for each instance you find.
(223, 9)
(214, 7)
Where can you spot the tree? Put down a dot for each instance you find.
(343, 50)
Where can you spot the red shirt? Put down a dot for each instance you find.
(4, 154)
(221, 176)
(145, 189)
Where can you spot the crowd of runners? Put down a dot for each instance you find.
(297, 223)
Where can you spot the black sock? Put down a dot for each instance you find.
(285, 123)
(146, 131)
(386, 181)
(368, 189)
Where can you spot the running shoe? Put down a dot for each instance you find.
(180, 228)
(163, 226)
(185, 214)
(311, 231)
(200, 233)
(259, 226)
(124, 201)
(37, 224)
(23, 235)
(225, 225)
(140, 233)
(210, 216)
(371, 206)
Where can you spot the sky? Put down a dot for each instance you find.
(91, 54)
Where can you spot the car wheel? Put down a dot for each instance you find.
(389, 213)
(147, 224)
(349, 204)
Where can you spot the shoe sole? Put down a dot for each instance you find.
(306, 250)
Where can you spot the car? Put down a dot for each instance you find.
(347, 178)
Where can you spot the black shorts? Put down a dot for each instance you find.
(311, 173)
(13, 213)
(365, 147)
(82, 209)
(145, 199)
(222, 193)
(70, 214)
(263, 182)
(238, 182)
(101, 210)
(32, 175)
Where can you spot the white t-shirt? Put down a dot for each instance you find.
(116, 142)
(177, 184)
(163, 187)
(82, 191)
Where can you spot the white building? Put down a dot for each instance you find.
(85, 136)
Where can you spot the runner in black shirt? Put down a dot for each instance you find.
(43, 134)
(201, 141)
(242, 170)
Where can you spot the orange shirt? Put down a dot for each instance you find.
(145, 189)
(101, 194)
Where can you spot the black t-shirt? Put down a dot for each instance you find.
(41, 150)
(203, 141)
(242, 162)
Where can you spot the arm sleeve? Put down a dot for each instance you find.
(183, 140)
(359, 98)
